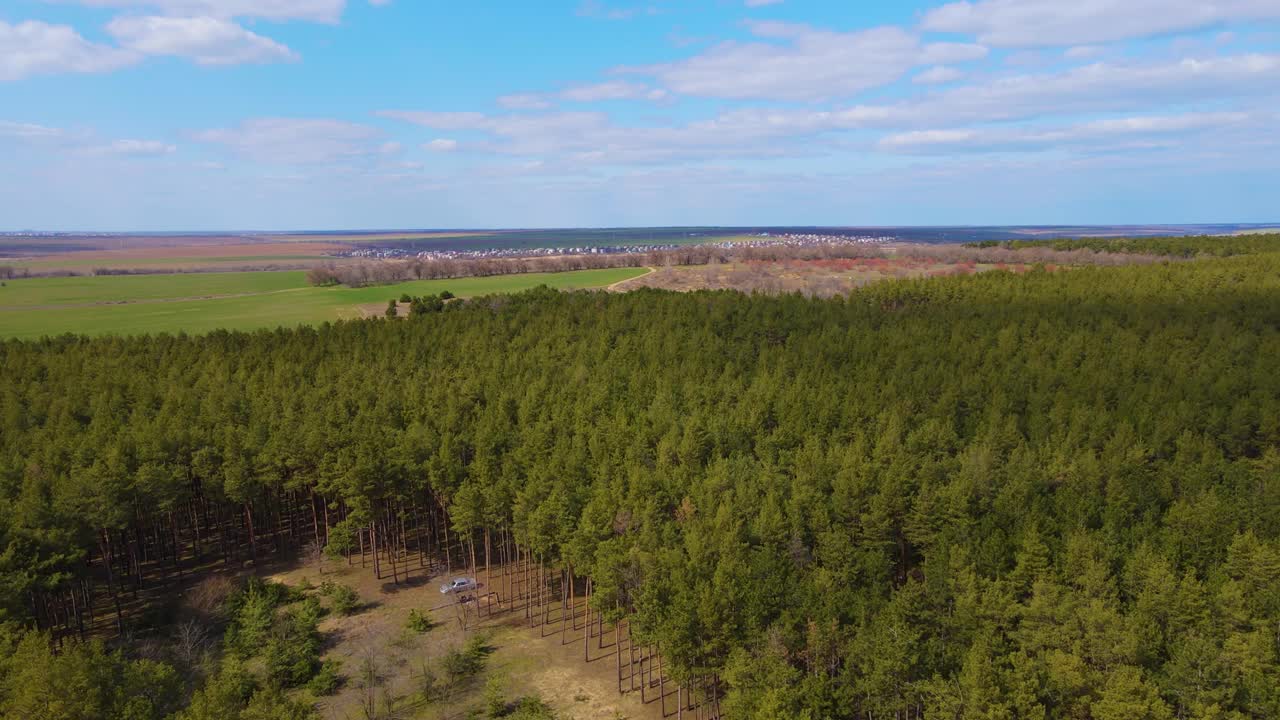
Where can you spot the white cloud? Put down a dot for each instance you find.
(28, 131)
(1096, 88)
(1145, 129)
(296, 141)
(595, 92)
(524, 101)
(617, 90)
(326, 11)
(442, 145)
(950, 52)
(614, 90)
(804, 63)
(586, 139)
(81, 142)
(1104, 87)
(760, 3)
(505, 125)
(37, 48)
(601, 10)
(1080, 52)
(438, 120)
(1054, 22)
(927, 138)
(205, 40)
(135, 148)
(937, 75)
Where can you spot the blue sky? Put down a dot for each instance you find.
(309, 114)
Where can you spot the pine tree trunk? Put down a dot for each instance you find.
(253, 537)
(644, 678)
(586, 640)
(504, 558)
(565, 594)
(488, 575)
(173, 529)
(315, 519)
(631, 658)
(471, 543)
(390, 545)
(417, 528)
(105, 547)
(360, 535)
(542, 596)
(373, 542)
(448, 547)
(195, 525)
(404, 538)
(135, 567)
(548, 581)
(75, 608)
(324, 505)
(520, 573)
(662, 687)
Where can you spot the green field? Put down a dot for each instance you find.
(137, 304)
(162, 262)
(121, 288)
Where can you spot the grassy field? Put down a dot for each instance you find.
(127, 288)
(195, 303)
(75, 263)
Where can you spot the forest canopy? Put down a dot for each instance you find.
(1181, 246)
(1050, 495)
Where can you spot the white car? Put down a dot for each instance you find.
(458, 585)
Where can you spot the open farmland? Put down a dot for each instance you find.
(89, 290)
(128, 305)
(368, 237)
(181, 257)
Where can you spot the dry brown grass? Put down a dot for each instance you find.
(526, 660)
(206, 597)
(376, 237)
(151, 257)
(822, 278)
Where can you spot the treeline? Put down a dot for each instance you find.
(375, 272)
(1183, 247)
(179, 270)
(365, 273)
(418, 305)
(1049, 495)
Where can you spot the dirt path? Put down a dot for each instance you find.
(617, 287)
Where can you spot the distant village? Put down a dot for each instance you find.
(758, 240)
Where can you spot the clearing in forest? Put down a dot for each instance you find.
(812, 277)
(386, 661)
